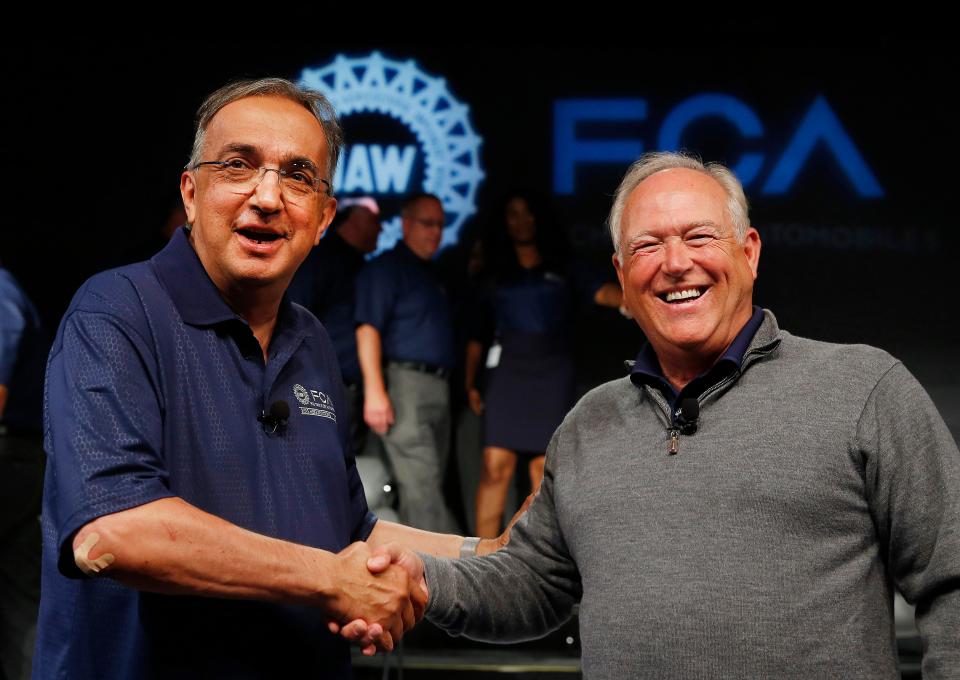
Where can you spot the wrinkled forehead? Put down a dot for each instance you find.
(675, 198)
(274, 128)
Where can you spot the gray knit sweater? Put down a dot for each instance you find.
(820, 476)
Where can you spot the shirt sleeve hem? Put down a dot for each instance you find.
(365, 528)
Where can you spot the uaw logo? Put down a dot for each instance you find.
(314, 403)
(406, 133)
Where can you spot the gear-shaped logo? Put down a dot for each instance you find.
(425, 106)
(301, 393)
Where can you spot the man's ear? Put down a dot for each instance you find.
(188, 189)
(618, 269)
(327, 213)
(751, 249)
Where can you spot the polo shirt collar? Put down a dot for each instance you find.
(404, 250)
(187, 283)
(198, 299)
(646, 368)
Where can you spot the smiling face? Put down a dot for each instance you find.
(259, 237)
(686, 278)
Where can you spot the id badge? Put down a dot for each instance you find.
(493, 355)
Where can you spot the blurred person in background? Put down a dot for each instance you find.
(326, 284)
(22, 356)
(405, 346)
(529, 288)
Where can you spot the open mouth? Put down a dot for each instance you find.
(675, 297)
(259, 236)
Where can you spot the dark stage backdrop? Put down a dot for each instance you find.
(848, 157)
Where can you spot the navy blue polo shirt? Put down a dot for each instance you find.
(646, 369)
(153, 389)
(400, 295)
(537, 300)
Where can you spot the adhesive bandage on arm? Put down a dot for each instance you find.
(81, 555)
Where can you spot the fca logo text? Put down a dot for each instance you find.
(819, 125)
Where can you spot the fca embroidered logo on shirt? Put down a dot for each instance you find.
(314, 403)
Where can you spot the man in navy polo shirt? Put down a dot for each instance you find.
(403, 321)
(197, 436)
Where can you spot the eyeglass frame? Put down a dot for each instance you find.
(262, 172)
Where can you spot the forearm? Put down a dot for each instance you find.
(472, 364)
(370, 354)
(525, 590)
(500, 598)
(440, 545)
(3, 398)
(169, 546)
(939, 625)
(428, 542)
(608, 295)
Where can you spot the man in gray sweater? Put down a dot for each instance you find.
(744, 503)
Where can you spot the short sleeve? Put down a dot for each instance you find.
(103, 426)
(376, 294)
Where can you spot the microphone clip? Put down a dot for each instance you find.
(274, 421)
(687, 416)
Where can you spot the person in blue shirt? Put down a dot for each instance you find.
(197, 436)
(524, 319)
(22, 352)
(403, 320)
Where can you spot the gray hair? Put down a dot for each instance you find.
(311, 100)
(657, 161)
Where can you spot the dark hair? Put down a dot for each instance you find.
(500, 257)
(342, 216)
(410, 201)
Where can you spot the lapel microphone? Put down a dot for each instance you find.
(687, 415)
(276, 418)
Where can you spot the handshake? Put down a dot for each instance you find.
(380, 595)
(375, 595)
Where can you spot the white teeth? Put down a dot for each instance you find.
(683, 294)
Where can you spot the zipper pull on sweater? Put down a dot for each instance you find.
(674, 441)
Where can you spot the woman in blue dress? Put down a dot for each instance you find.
(529, 290)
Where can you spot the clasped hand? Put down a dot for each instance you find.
(382, 595)
(370, 634)
(387, 598)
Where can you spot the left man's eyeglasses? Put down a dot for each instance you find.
(298, 180)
